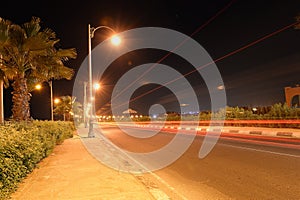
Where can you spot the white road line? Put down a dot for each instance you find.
(264, 151)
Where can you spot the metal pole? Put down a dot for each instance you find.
(91, 132)
(84, 104)
(1, 97)
(51, 101)
(1, 103)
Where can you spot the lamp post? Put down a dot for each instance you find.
(38, 87)
(116, 41)
(51, 96)
(1, 97)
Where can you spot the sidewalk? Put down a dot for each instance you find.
(70, 172)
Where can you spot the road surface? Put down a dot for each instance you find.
(234, 169)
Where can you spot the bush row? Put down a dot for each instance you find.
(238, 116)
(23, 145)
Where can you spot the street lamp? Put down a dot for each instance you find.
(38, 87)
(115, 41)
(56, 100)
(97, 86)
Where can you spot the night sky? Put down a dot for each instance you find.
(254, 76)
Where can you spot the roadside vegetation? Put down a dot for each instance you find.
(23, 145)
(277, 111)
(276, 116)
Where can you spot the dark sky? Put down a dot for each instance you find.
(255, 76)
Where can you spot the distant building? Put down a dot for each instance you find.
(290, 92)
(129, 111)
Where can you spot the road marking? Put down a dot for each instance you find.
(265, 151)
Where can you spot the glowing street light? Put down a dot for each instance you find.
(97, 86)
(56, 100)
(115, 41)
(38, 86)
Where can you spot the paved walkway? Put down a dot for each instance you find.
(70, 172)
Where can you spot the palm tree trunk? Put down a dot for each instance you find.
(1, 103)
(20, 99)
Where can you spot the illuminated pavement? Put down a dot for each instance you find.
(70, 172)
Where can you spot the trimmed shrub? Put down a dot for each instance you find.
(23, 145)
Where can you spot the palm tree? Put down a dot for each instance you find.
(52, 68)
(30, 56)
(68, 106)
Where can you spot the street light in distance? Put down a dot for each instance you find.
(56, 100)
(39, 87)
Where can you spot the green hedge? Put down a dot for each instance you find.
(23, 145)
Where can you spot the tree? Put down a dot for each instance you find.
(67, 107)
(30, 55)
(281, 111)
(52, 68)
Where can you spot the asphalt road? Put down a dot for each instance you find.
(234, 169)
